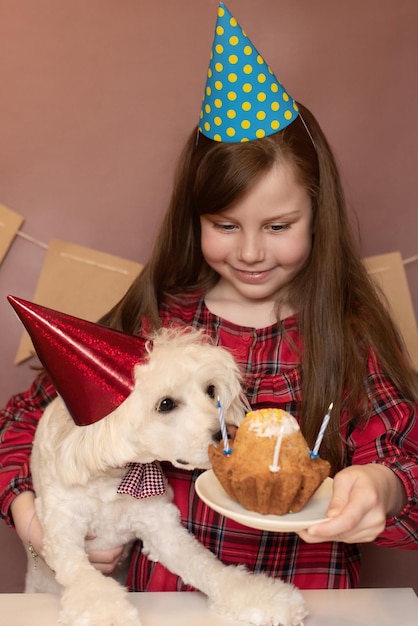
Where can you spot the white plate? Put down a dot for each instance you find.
(210, 490)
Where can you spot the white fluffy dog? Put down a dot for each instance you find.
(170, 415)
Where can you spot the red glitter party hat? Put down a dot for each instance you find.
(91, 366)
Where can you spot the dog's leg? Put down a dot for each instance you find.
(232, 590)
(88, 598)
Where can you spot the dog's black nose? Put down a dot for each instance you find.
(230, 431)
(217, 437)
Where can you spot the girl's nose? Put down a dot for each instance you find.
(250, 249)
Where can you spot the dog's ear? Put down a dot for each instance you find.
(237, 409)
(229, 386)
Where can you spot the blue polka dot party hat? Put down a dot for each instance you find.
(243, 99)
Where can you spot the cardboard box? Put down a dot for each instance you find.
(10, 222)
(389, 272)
(81, 282)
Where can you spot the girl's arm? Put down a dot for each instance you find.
(376, 498)
(26, 522)
(18, 422)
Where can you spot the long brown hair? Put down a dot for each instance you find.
(340, 311)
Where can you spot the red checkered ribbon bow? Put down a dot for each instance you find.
(142, 480)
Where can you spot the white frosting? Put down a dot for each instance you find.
(272, 423)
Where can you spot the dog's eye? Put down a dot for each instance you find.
(166, 405)
(211, 391)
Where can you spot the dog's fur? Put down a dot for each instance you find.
(170, 415)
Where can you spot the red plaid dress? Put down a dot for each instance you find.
(271, 365)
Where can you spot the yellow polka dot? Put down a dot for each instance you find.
(233, 21)
(274, 87)
(261, 115)
(217, 120)
(260, 133)
(219, 30)
(260, 59)
(285, 97)
(201, 113)
(288, 115)
(246, 106)
(245, 124)
(219, 48)
(232, 77)
(244, 139)
(207, 126)
(233, 59)
(275, 106)
(218, 103)
(217, 137)
(207, 108)
(247, 69)
(209, 73)
(247, 87)
(230, 132)
(247, 50)
(233, 40)
(261, 78)
(232, 95)
(208, 91)
(219, 67)
(261, 97)
(231, 113)
(275, 125)
(221, 11)
(295, 106)
(218, 84)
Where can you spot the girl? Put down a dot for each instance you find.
(256, 249)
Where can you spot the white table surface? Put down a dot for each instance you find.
(354, 607)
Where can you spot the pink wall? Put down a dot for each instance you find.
(98, 96)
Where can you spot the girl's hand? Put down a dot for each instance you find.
(106, 561)
(364, 496)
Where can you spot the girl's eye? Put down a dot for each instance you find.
(225, 227)
(277, 228)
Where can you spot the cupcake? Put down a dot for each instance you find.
(270, 469)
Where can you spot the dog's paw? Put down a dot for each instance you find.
(105, 604)
(262, 601)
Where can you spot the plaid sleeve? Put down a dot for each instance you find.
(390, 437)
(18, 422)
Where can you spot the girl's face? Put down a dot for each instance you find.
(259, 244)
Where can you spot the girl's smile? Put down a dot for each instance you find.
(252, 277)
(259, 244)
